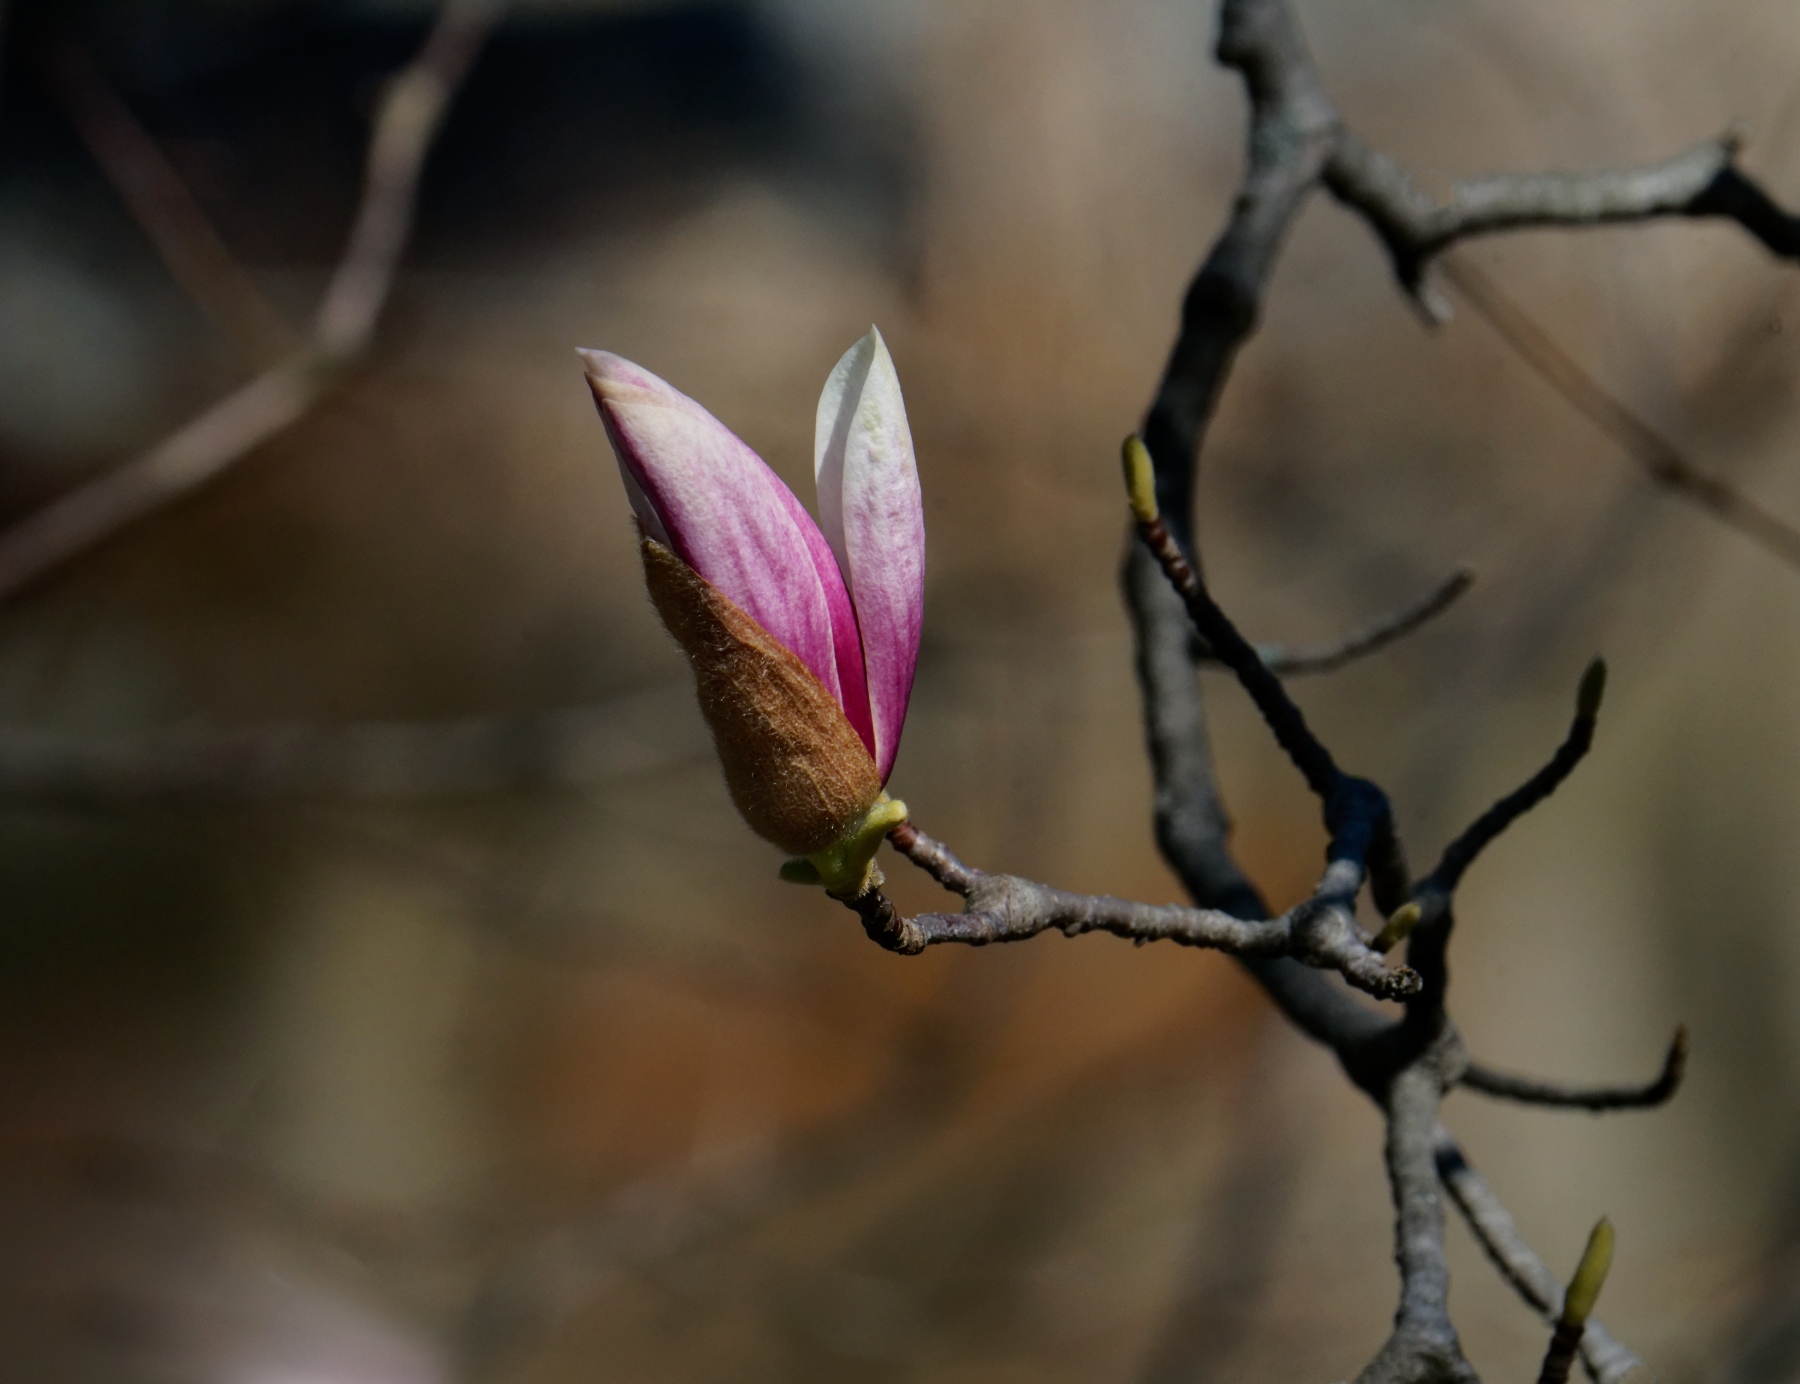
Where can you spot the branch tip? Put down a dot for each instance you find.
(1593, 688)
(1529, 1091)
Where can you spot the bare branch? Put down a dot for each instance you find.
(1320, 932)
(412, 110)
(1294, 141)
(1736, 197)
(1357, 813)
(1389, 629)
(165, 209)
(1597, 1098)
(1423, 1345)
(1229, 647)
(1658, 456)
(1607, 1361)
(935, 858)
(1292, 126)
(1461, 853)
(220, 437)
(1415, 228)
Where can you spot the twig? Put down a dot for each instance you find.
(1230, 647)
(165, 209)
(1493, 1227)
(1532, 1092)
(1415, 228)
(410, 115)
(1737, 198)
(1394, 626)
(411, 112)
(1664, 463)
(1321, 932)
(1357, 813)
(1461, 853)
(934, 858)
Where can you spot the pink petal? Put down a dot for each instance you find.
(698, 488)
(872, 514)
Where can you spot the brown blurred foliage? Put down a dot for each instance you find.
(567, 1085)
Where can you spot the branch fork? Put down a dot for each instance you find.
(1297, 144)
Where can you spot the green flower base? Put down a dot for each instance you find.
(847, 866)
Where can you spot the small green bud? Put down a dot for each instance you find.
(1584, 1288)
(1140, 479)
(1398, 929)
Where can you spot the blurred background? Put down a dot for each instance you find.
(456, 1029)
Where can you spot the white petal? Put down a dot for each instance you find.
(872, 514)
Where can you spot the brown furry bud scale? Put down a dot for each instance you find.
(796, 768)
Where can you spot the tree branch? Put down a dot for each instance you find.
(1659, 457)
(410, 114)
(1295, 141)
(1230, 648)
(1389, 629)
(1357, 813)
(1607, 1361)
(1415, 228)
(1321, 932)
(166, 210)
(1532, 1092)
(1424, 1344)
(1461, 853)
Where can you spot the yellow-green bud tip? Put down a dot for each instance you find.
(847, 866)
(1399, 927)
(1593, 687)
(1584, 1288)
(1140, 479)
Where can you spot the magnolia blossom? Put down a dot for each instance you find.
(803, 635)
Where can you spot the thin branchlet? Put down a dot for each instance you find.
(1663, 462)
(410, 116)
(1230, 648)
(1320, 932)
(1297, 144)
(1462, 852)
(1529, 1091)
(1389, 629)
(1606, 1359)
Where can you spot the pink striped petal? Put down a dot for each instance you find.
(872, 514)
(696, 487)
